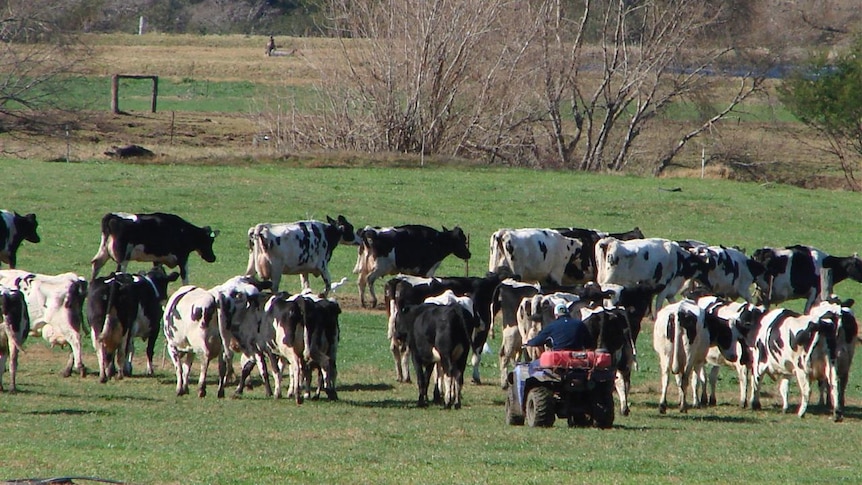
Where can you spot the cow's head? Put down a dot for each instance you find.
(204, 243)
(458, 242)
(345, 228)
(26, 226)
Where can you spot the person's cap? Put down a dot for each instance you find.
(561, 309)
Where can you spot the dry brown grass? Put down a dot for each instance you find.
(772, 152)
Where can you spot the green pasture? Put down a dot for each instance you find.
(138, 431)
(203, 95)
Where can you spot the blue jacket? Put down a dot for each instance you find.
(564, 333)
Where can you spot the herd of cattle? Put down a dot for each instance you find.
(610, 281)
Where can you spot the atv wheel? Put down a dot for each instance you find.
(514, 416)
(540, 407)
(602, 400)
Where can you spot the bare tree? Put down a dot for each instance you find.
(552, 83)
(35, 59)
(622, 64)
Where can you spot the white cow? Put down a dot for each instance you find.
(541, 255)
(55, 305)
(789, 344)
(191, 328)
(302, 247)
(660, 263)
(682, 336)
(240, 312)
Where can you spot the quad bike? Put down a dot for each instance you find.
(576, 385)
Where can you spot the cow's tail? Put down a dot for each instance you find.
(677, 354)
(253, 252)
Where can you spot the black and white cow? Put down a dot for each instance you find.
(657, 262)
(14, 229)
(55, 305)
(303, 247)
(158, 237)
(303, 332)
(405, 290)
(123, 306)
(795, 272)
(728, 273)
(746, 318)
(589, 238)
(506, 300)
(682, 337)
(541, 255)
(437, 336)
(846, 334)
(191, 328)
(14, 328)
(241, 302)
(409, 249)
(789, 344)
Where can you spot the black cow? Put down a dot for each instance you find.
(437, 335)
(410, 249)
(123, 306)
(15, 228)
(589, 238)
(403, 291)
(158, 237)
(795, 272)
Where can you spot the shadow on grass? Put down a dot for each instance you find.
(380, 386)
(70, 412)
(382, 404)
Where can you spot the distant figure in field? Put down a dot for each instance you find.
(270, 48)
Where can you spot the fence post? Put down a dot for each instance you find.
(115, 88)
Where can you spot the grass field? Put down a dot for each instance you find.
(138, 431)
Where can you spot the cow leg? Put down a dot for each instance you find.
(713, 378)
(665, 383)
(784, 391)
(423, 376)
(475, 361)
(247, 367)
(327, 281)
(13, 367)
(222, 375)
(698, 382)
(804, 391)
(75, 361)
(682, 383)
(151, 349)
(402, 358)
(306, 286)
(202, 377)
(756, 381)
(508, 345)
(276, 374)
(178, 367)
(264, 373)
(622, 383)
(743, 375)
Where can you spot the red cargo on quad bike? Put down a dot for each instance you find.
(576, 385)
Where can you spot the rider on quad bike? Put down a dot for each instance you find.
(566, 381)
